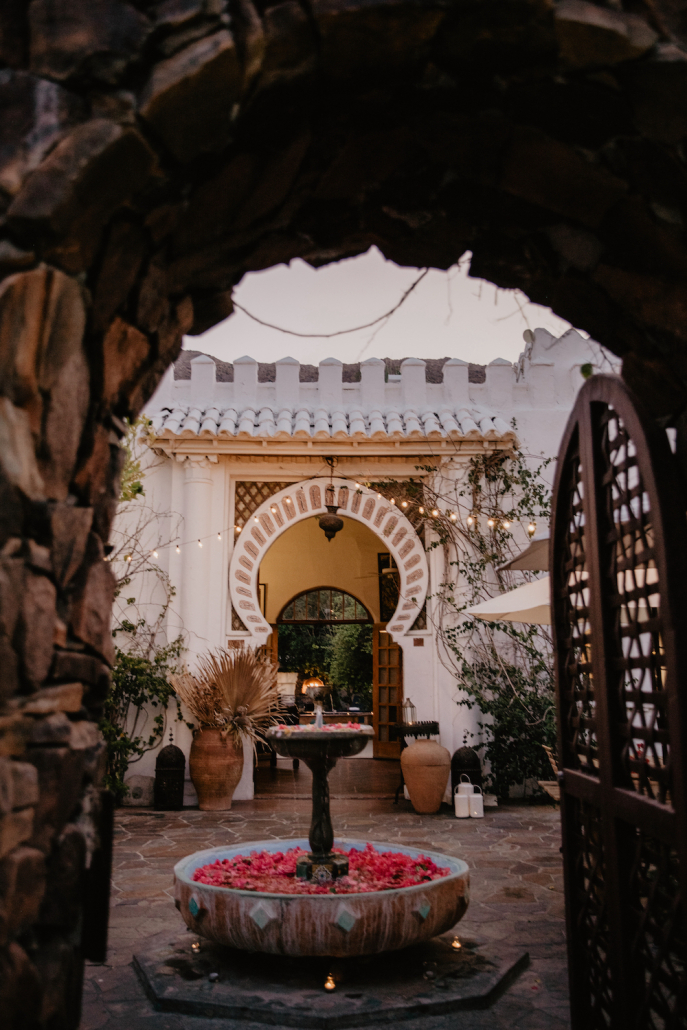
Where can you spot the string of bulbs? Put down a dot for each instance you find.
(493, 522)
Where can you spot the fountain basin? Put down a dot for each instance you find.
(320, 924)
(312, 744)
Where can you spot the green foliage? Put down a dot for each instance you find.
(131, 484)
(504, 670)
(135, 711)
(306, 650)
(471, 514)
(350, 667)
(139, 682)
(517, 696)
(339, 655)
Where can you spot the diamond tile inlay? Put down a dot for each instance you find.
(263, 914)
(345, 918)
(423, 910)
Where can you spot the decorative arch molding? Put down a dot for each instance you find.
(304, 500)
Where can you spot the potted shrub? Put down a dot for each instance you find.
(234, 697)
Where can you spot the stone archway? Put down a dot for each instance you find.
(152, 154)
(304, 501)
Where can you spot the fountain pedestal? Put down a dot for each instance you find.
(320, 749)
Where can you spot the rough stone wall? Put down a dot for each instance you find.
(153, 153)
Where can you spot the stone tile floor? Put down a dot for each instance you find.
(516, 896)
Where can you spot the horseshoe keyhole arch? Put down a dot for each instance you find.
(304, 500)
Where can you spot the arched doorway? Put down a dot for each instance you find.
(298, 504)
(369, 585)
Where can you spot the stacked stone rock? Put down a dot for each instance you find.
(153, 153)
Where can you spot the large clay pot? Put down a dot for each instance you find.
(426, 766)
(216, 765)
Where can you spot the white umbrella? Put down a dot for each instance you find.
(531, 602)
(528, 603)
(535, 557)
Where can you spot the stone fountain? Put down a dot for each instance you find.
(215, 976)
(322, 924)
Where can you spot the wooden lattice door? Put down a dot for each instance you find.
(387, 692)
(619, 573)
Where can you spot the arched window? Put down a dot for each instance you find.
(325, 605)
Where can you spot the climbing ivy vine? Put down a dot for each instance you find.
(136, 709)
(480, 514)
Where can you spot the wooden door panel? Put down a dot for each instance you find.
(387, 692)
(618, 573)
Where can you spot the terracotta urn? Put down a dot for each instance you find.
(216, 765)
(426, 766)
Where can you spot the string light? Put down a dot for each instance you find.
(287, 500)
(491, 523)
(470, 520)
(532, 528)
(506, 524)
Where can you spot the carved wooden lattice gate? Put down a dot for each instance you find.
(619, 586)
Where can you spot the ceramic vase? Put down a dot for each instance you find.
(426, 766)
(216, 765)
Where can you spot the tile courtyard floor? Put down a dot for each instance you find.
(516, 897)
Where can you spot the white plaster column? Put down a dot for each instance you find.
(500, 381)
(195, 573)
(414, 384)
(372, 384)
(245, 382)
(330, 373)
(203, 378)
(456, 383)
(287, 386)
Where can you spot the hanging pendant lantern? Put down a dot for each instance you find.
(331, 524)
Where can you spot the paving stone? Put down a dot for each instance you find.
(148, 845)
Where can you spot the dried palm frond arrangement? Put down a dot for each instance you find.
(233, 690)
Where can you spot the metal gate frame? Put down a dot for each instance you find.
(618, 566)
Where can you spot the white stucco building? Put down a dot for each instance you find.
(243, 467)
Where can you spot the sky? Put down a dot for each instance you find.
(447, 315)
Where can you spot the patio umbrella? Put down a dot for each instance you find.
(531, 602)
(535, 557)
(528, 603)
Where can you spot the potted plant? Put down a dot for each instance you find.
(233, 696)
